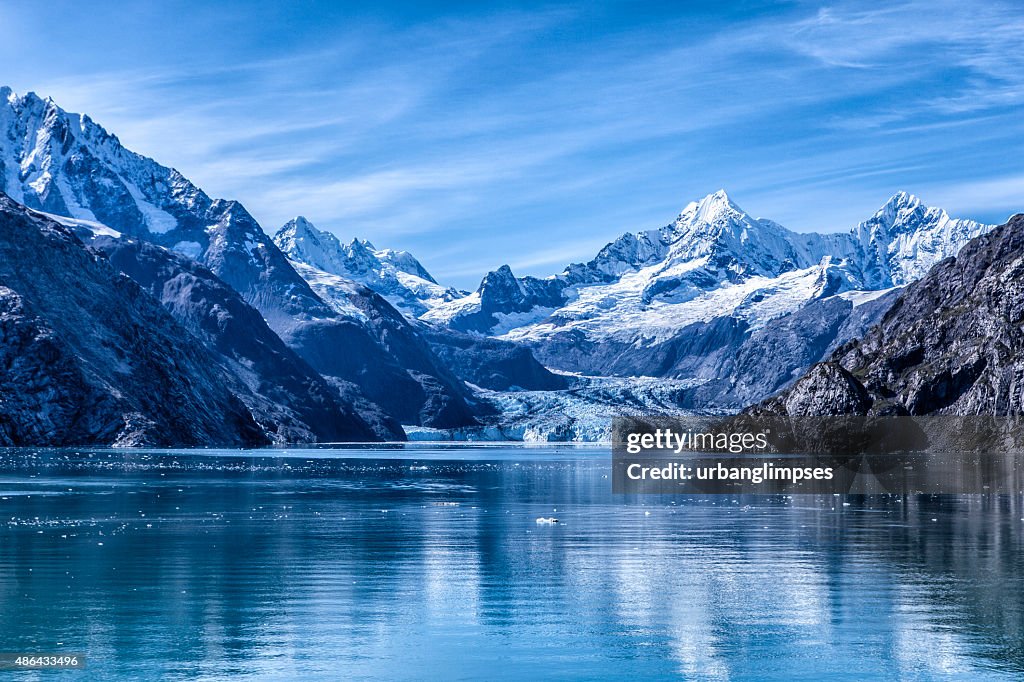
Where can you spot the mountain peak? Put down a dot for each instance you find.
(901, 200)
(905, 238)
(362, 245)
(903, 211)
(298, 228)
(301, 221)
(33, 101)
(712, 208)
(299, 235)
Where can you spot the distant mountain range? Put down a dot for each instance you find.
(736, 305)
(304, 338)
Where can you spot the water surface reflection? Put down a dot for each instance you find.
(329, 565)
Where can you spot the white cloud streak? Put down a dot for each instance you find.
(468, 130)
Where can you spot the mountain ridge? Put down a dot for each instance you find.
(713, 243)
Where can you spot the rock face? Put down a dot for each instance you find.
(826, 390)
(87, 357)
(500, 303)
(417, 387)
(950, 344)
(68, 165)
(289, 400)
(493, 364)
(775, 355)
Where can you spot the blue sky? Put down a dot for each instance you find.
(476, 134)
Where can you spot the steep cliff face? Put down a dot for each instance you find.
(952, 343)
(87, 357)
(288, 399)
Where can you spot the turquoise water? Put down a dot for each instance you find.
(343, 564)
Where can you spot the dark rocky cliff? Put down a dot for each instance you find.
(287, 397)
(952, 343)
(88, 357)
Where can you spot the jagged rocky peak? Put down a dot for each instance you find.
(298, 229)
(68, 165)
(361, 257)
(395, 275)
(740, 245)
(903, 212)
(714, 209)
(303, 242)
(300, 240)
(501, 281)
(713, 219)
(716, 235)
(502, 292)
(905, 238)
(403, 261)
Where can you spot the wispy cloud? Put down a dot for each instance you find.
(529, 136)
(999, 197)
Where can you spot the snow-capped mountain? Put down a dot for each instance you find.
(736, 304)
(713, 260)
(730, 307)
(951, 346)
(395, 275)
(65, 164)
(711, 233)
(904, 239)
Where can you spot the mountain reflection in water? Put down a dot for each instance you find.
(338, 564)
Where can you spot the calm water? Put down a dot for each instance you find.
(344, 565)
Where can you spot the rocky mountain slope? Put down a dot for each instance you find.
(950, 344)
(482, 362)
(87, 357)
(288, 399)
(68, 165)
